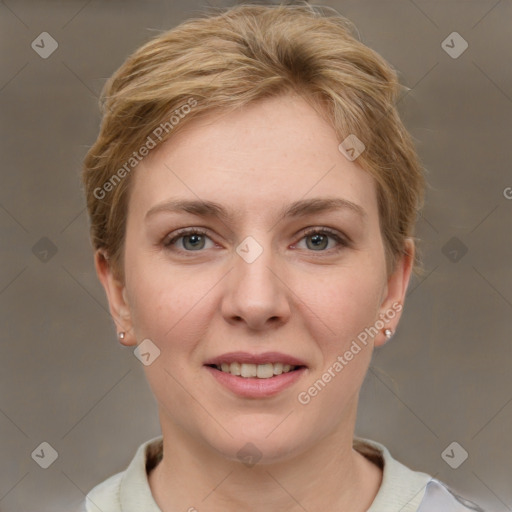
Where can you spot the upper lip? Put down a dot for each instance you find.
(248, 358)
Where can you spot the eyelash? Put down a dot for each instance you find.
(343, 242)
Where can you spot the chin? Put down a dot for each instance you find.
(259, 442)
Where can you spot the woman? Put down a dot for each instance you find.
(252, 197)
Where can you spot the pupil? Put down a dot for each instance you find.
(319, 241)
(193, 241)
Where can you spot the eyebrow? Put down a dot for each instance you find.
(299, 208)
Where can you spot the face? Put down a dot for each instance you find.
(252, 239)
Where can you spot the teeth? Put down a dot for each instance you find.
(235, 369)
(248, 370)
(261, 371)
(264, 371)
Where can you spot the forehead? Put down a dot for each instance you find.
(271, 152)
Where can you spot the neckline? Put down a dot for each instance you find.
(155, 453)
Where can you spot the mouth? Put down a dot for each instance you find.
(258, 371)
(256, 375)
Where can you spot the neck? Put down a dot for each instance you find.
(329, 476)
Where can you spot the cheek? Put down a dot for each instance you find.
(342, 304)
(167, 306)
(160, 309)
(337, 312)
(168, 310)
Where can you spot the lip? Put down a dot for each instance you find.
(248, 358)
(254, 387)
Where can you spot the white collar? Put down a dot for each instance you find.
(401, 488)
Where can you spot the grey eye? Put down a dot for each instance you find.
(317, 241)
(196, 241)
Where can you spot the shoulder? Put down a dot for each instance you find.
(128, 490)
(105, 496)
(438, 498)
(407, 490)
(401, 488)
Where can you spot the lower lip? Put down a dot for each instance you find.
(252, 387)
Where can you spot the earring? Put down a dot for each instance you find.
(121, 335)
(388, 333)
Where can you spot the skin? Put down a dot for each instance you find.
(296, 298)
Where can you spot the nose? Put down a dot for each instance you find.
(256, 294)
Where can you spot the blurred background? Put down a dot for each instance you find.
(439, 395)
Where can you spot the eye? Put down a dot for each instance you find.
(318, 240)
(191, 239)
(195, 239)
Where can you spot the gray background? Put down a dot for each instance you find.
(445, 376)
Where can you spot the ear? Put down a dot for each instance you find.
(116, 295)
(394, 294)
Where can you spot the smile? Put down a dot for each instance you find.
(260, 371)
(251, 375)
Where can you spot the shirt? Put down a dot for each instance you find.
(401, 490)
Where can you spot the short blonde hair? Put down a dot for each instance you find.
(233, 58)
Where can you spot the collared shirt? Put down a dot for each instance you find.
(401, 490)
